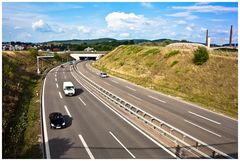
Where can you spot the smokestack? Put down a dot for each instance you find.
(207, 38)
(230, 39)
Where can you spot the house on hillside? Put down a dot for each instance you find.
(88, 49)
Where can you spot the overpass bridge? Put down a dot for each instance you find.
(83, 55)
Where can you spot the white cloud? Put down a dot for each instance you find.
(41, 26)
(126, 21)
(189, 28)
(124, 35)
(217, 20)
(186, 15)
(202, 3)
(84, 29)
(146, 4)
(17, 28)
(202, 29)
(181, 22)
(207, 8)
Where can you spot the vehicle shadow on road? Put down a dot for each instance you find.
(61, 146)
(78, 91)
(68, 120)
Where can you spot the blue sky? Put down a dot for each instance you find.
(42, 21)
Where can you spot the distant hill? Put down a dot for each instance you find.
(103, 40)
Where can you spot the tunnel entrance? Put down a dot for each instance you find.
(87, 58)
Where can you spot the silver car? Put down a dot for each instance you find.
(103, 75)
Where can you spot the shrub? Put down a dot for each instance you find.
(33, 52)
(174, 63)
(200, 56)
(171, 53)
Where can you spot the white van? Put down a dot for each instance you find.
(68, 88)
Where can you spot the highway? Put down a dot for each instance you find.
(93, 129)
(213, 129)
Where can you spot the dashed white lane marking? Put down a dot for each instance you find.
(203, 128)
(82, 101)
(204, 117)
(56, 79)
(131, 124)
(156, 99)
(86, 147)
(114, 81)
(107, 83)
(67, 111)
(130, 88)
(121, 144)
(60, 95)
(135, 97)
(56, 85)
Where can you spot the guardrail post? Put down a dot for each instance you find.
(183, 137)
(213, 154)
(178, 149)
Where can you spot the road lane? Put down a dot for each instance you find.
(174, 109)
(92, 121)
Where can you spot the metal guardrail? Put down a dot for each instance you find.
(180, 138)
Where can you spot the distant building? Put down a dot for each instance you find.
(55, 49)
(89, 49)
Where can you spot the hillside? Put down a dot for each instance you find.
(21, 88)
(171, 70)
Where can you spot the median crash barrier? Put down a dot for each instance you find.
(184, 142)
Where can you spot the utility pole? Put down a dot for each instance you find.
(230, 39)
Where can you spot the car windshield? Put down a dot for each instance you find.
(69, 88)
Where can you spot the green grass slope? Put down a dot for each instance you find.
(172, 71)
(21, 88)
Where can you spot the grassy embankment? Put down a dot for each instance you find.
(21, 104)
(171, 70)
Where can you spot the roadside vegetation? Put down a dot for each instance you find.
(209, 80)
(21, 86)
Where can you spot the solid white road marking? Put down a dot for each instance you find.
(121, 144)
(130, 88)
(204, 117)
(60, 95)
(156, 99)
(203, 128)
(45, 125)
(67, 111)
(135, 97)
(86, 147)
(131, 124)
(56, 85)
(114, 81)
(81, 101)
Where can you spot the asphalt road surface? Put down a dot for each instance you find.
(93, 129)
(218, 131)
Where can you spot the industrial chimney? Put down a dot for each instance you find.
(230, 39)
(207, 38)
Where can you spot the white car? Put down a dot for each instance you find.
(68, 88)
(103, 75)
